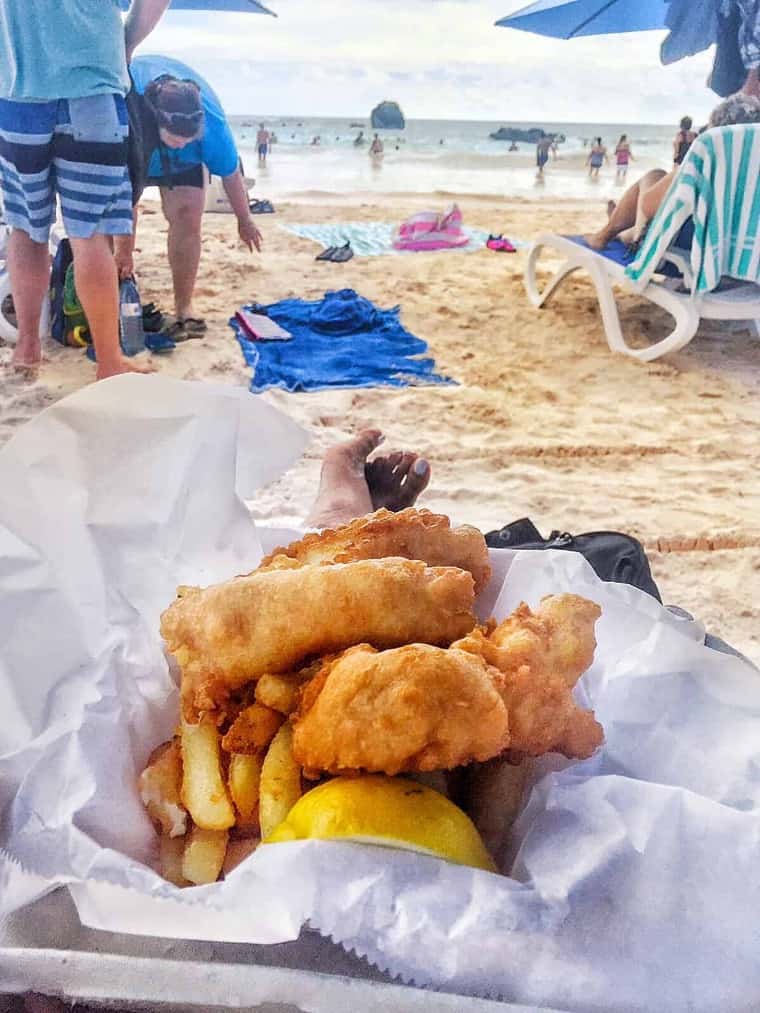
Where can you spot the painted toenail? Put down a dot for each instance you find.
(420, 467)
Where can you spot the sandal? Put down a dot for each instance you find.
(179, 331)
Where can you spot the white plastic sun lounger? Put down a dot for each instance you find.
(719, 187)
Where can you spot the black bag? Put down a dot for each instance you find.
(612, 555)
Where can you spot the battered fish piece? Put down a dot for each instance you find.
(412, 534)
(542, 655)
(415, 708)
(271, 621)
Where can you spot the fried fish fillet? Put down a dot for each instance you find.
(422, 708)
(271, 621)
(412, 534)
(542, 655)
(414, 708)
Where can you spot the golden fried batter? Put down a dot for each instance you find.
(271, 621)
(409, 709)
(412, 534)
(542, 656)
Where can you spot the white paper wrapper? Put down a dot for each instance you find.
(636, 882)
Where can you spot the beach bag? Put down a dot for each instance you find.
(62, 261)
(612, 555)
(76, 328)
(429, 230)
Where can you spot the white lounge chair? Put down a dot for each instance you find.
(719, 187)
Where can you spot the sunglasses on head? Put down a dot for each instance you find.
(179, 123)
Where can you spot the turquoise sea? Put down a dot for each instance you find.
(437, 156)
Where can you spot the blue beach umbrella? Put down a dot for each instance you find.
(247, 6)
(568, 19)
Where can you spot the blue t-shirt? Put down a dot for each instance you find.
(58, 49)
(216, 149)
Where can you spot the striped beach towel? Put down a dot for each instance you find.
(718, 186)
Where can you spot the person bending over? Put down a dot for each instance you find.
(179, 131)
(628, 220)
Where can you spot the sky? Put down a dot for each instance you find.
(440, 59)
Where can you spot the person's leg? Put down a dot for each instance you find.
(97, 284)
(183, 208)
(351, 487)
(29, 270)
(624, 213)
(28, 198)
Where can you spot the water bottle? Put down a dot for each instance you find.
(130, 318)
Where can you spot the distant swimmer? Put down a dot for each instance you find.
(441, 141)
(597, 156)
(377, 148)
(542, 153)
(316, 140)
(513, 146)
(623, 155)
(359, 139)
(263, 140)
(682, 140)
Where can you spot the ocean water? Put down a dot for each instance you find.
(439, 156)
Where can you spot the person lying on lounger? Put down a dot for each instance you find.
(629, 218)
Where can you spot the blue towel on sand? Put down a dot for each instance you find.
(342, 340)
(373, 239)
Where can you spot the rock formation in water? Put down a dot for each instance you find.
(529, 135)
(388, 116)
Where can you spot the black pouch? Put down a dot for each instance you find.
(612, 555)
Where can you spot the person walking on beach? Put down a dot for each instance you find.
(63, 131)
(543, 147)
(596, 157)
(263, 143)
(623, 155)
(682, 140)
(180, 135)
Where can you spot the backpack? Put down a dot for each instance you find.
(61, 262)
(612, 555)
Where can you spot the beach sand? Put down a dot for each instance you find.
(546, 422)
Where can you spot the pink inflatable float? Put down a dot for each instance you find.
(430, 230)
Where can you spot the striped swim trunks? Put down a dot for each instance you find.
(75, 149)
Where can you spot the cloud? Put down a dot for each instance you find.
(438, 58)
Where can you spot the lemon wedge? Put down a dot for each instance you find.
(390, 811)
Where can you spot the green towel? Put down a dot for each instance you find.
(719, 187)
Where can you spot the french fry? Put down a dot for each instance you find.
(243, 780)
(171, 853)
(161, 789)
(280, 692)
(204, 855)
(496, 790)
(203, 790)
(280, 782)
(252, 730)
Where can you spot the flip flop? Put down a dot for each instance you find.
(342, 254)
(500, 244)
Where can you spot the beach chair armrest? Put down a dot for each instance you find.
(679, 259)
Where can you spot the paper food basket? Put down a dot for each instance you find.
(635, 880)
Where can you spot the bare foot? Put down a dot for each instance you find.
(351, 486)
(396, 481)
(27, 358)
(121, 366)
(597, 240)
(343, 490)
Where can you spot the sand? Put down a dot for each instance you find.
(546, 422)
